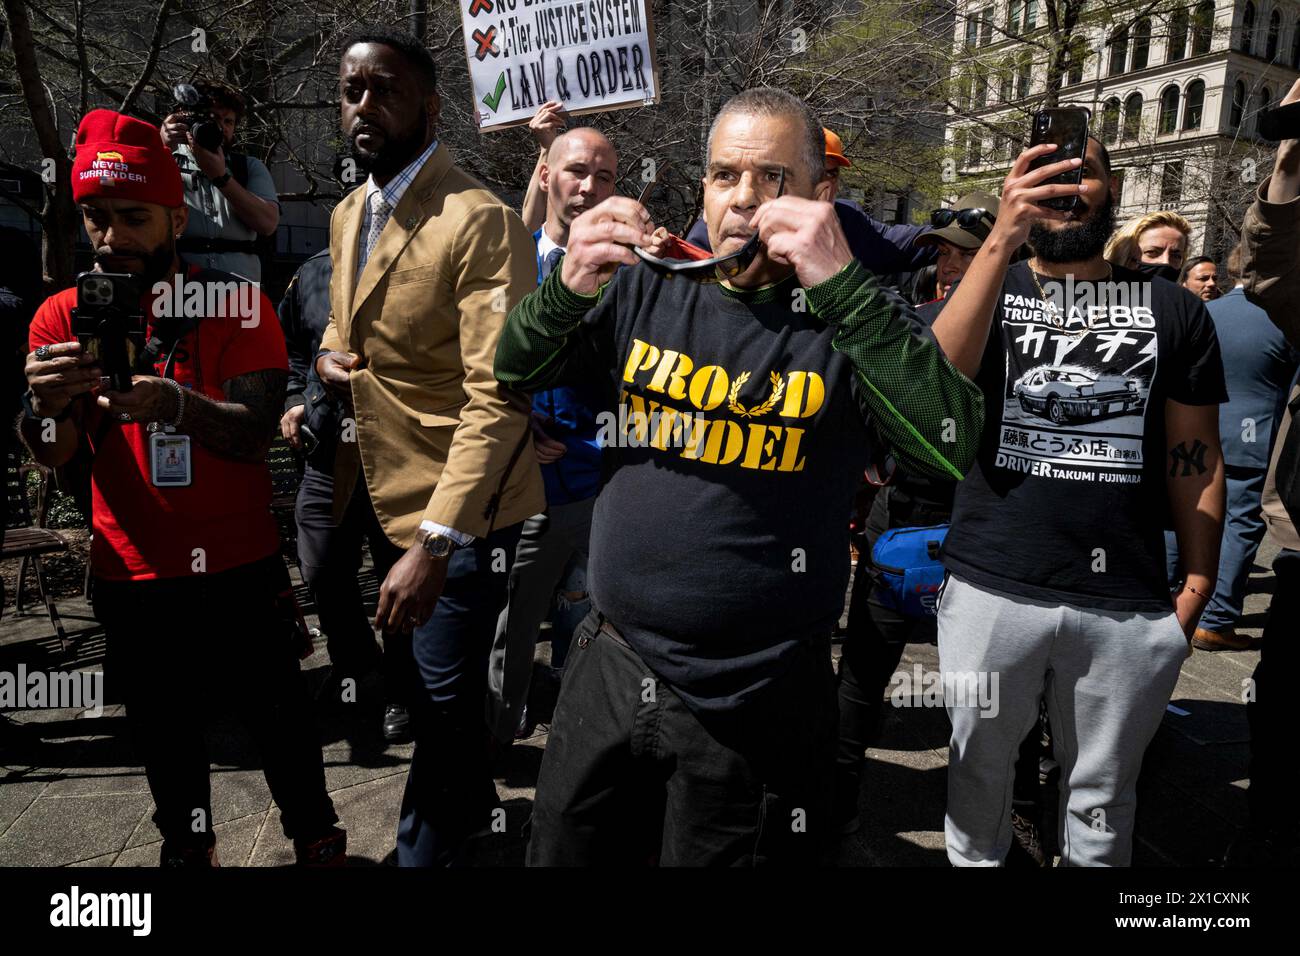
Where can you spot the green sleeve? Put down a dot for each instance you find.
(545, 343)
(928, 412)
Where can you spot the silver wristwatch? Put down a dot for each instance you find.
(437, 545)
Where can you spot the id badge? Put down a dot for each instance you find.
(170, 458)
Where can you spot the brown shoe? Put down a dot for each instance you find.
(1228, 640)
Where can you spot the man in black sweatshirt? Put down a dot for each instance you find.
(698, 707)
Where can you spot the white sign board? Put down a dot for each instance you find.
(589, 54)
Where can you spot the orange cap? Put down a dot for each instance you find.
(835, 149)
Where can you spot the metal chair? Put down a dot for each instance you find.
(27, 538)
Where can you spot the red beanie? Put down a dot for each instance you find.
(120, 157)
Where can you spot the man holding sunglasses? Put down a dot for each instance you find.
(883, 249)
(698, 704)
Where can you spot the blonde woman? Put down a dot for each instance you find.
(1155, 244)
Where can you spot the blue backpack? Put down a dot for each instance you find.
(907, 568)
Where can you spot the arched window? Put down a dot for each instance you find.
(1193, 105)
(1025, 75)
(1177, 35)
(1202, 27)
(1247, 28)
(1168, 120)
(1238, 105)
(1110, 121)
(1078, 53)
(1274, 35)
(1133, 116)
(1118, 51)
(1141, 44)
(1261, 104)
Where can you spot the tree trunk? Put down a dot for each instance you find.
(59, 214)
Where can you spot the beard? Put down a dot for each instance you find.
(157, 262)
(395, 154)
(1076, 241)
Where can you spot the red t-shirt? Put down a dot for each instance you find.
(144, 532)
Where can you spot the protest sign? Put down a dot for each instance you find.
(591, 55)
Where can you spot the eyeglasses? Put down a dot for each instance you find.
(701, 265)
(977, 222)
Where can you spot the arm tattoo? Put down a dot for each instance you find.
(1193, 458)
(243, 425)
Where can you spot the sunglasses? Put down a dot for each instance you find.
(681, 258)
(975, 221)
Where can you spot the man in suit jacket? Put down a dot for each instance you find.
(1258, 365)
(580, 172)
(433, 451)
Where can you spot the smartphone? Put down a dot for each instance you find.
(109, 322)
(1067, 127)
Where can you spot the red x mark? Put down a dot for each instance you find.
(478, 6)
(484, 42)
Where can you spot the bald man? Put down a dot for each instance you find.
(578, 172)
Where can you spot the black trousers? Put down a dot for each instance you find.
(329, 555)
(1273, 771)
(630, 774)
(175, 643)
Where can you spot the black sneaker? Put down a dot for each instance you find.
(173, 857)
(1026, 848)
(397, 724)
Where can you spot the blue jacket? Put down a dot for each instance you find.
(576, 476)
(1258, 365)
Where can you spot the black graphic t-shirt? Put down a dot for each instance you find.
(1067, 501)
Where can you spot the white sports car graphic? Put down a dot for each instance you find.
(1067, 393)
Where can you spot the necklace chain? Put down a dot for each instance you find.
(1058, 315)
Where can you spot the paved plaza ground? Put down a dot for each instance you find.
(71, 795)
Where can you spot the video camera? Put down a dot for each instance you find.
(197, 110)
(109, 322)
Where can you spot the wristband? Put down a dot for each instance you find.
(220, 181)
(1188, 587)
(180, 402)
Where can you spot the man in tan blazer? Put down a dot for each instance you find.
(433, 452)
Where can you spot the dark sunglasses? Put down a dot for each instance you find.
(692, 262)
(978, 222)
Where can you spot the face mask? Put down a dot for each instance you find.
(1158, 269)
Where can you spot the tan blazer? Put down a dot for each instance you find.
(435, 432)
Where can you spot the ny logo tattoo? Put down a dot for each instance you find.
(1188, 459)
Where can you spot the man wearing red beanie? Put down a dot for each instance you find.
(189, 584)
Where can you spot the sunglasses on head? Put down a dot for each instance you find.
(975, 221)
(681, 258)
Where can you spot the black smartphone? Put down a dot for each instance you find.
(1067, 127)
(109, 322)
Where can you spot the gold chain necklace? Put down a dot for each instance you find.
(1058, 315)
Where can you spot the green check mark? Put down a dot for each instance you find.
(493, 100)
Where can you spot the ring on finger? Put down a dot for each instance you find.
(42, 353)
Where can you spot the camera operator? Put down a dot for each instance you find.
(189, 584)
(231, 196)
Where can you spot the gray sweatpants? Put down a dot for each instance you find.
(1106, 676)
